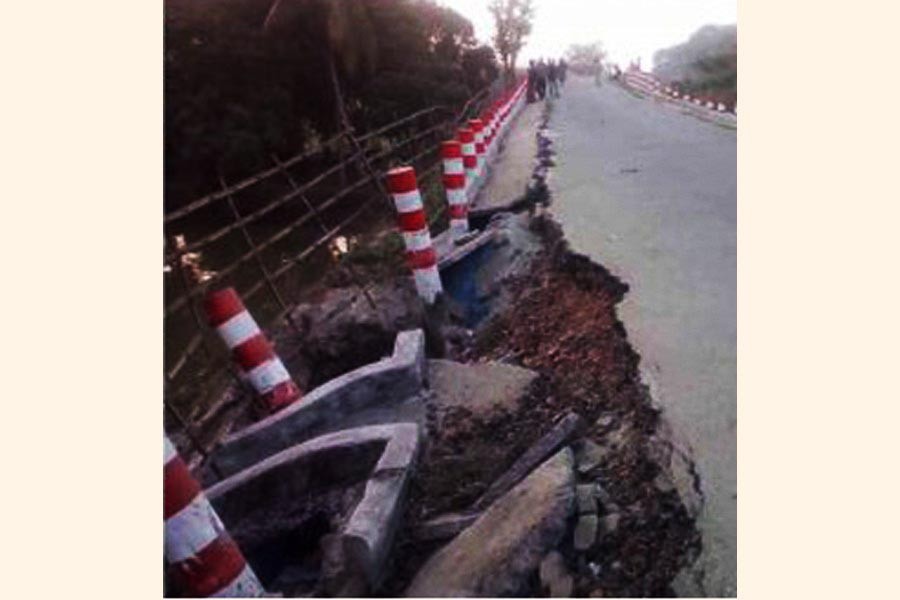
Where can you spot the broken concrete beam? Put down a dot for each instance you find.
(498, 554)
(323, 409)
(555, 576)
(385, 455)
(449, 252)
(444, 526)
(340, 578)
(369, 535)
(550, 443)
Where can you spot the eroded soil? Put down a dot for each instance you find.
(564, 326)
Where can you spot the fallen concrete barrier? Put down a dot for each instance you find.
(391, 380)
(383, 456)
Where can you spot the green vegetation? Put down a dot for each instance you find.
(246, 78)
(704, 65)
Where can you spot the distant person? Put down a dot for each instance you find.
(598, 69)
(563, 67)
(540, 79)
(552, 79)
(532, 82)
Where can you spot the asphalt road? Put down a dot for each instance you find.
(650, 193)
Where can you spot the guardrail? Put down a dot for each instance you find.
(648, 84)
(266, 236)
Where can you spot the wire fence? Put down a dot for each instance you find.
(267, 236)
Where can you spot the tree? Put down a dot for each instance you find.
(479, 67)
(248, 78)
(512, 20)
(585, 58)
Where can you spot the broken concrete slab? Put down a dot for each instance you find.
(555, 576)
(586, 532)
(449, 252)
(586, 499)
(557, 437)
(605, 498)
(384, 455)
(588, 455)
(339, 577)
(395, 380)
(497, 554)
(444, 527)
(610, 523)
(479, 387)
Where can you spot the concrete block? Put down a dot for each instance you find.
(585, 498)
(450, 253)
(384, 455)
(391, 380)
(444, 526)
(498, 554)
(586, 532)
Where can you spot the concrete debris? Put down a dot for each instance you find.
(382, 456)
(481, 388)
(588, 455)
(604, 422)
(504, 547)
(585, 532)
(585, 495)
(663, 483)
(555, 577)
(610, 523)
(444, 526)
(340, 403)
(605, 499)
(552, 441)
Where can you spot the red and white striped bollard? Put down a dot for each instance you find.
(477, 127)
(420, 254)
(251, 349)
(203, 559)
(466, 139)
(454, 179)
(488, 119)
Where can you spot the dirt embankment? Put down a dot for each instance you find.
(564, 326)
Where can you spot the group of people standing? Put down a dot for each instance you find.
(545, 78)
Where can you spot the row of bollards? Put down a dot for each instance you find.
(202, 558)
(465, 169)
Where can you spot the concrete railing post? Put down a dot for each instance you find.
(203, 559)
(455, 186)
(251, 349)
(420, 254)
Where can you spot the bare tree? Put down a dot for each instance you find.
(512, 20)
(585, 59)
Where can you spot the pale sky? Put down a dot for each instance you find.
(627, 28)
